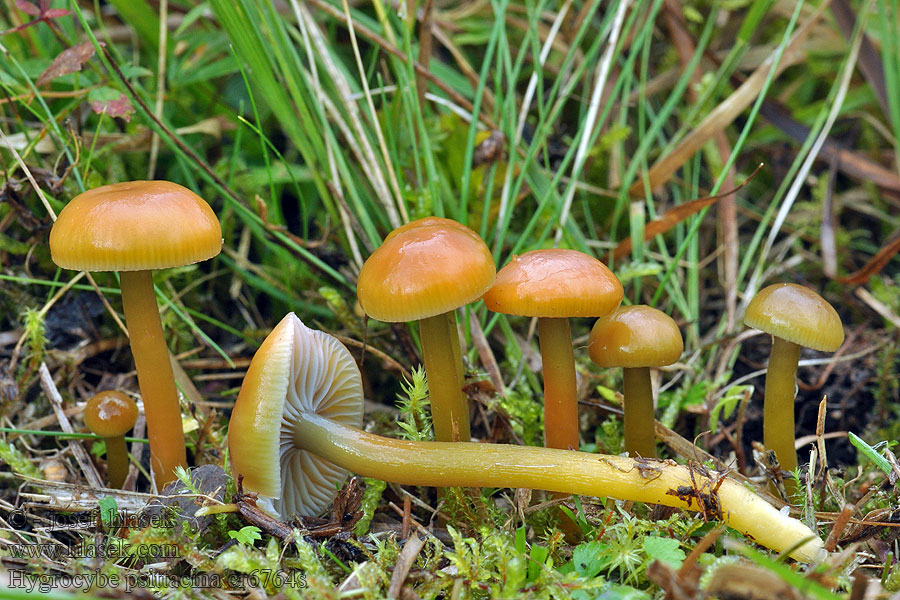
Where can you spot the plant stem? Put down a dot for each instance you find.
(449, 408)
(470, 464)
(560, 395)
(778, 410)
(155, 378)
(640, 435)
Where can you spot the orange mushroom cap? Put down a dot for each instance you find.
(797, 314)
(425, 268)
(635, 336)
(554, 283)
(135, 226)
(296, 369)
(110, 414)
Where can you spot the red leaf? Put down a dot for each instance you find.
(28, 8)
(68, 61)
(118, 107)
(55, 13)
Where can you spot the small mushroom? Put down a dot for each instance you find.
(796, 317)
(636, 338)
(553, 285)
(111, 415)
(423, 272)
(132, 228)
(298, 375)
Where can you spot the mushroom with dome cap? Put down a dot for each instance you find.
(111, 414)
(423, 271)
(132, 228)
(553, 285)
(292, 432)
(796, 317)
(636, 338)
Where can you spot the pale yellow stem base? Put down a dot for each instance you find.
(497, 465)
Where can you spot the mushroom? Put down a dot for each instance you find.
(553, 285)
(132, 228)
(636, 338)
(111, 415)
(423, 271)
(297, 370)
(795, 316)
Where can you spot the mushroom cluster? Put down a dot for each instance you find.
(283, 437)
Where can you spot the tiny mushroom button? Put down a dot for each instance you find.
(636, 338)
(132, 228)
(424, 271)
(111, 415)
(796, 317)
(553, 285)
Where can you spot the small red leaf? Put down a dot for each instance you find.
(28, 8)
(55, 13)
(117, 107)
(68, 61)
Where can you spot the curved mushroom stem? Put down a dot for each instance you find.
(560, 394)
(155, 378)
(116, 461)
(640, 432)
(470, 464)
(778, 409)
(449, 407)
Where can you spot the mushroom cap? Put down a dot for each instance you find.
(296, 369)
(797, 314)
(635, 336)
(135, 226)
(554, 283)
(110, 414)
(425, 268)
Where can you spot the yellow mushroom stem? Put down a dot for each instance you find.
(471, 464)
(154, 372)
(560, 394)
(116, 461)
(640, 434)
(449, 407)
(778, 409)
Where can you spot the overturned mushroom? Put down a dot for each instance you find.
(296, 370)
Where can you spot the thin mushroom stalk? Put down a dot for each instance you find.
(299, 409)
(154, 373)
(469, 464)
(778, 407)
(560, 393)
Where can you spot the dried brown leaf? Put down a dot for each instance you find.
(68, 61)
(874, 266)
